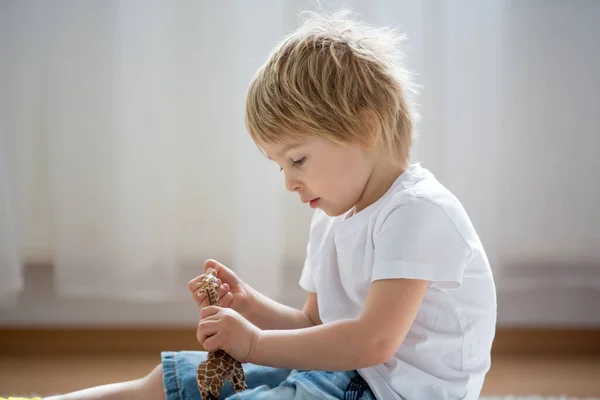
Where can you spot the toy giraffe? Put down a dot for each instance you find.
(218, 366)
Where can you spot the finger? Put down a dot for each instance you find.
(208, 327)
(199, 292)
(203, 331)
(213, 264)
(226, 299)
(199, 296)
(222, 271)
(213, 343)
(220, 293)
(202, 299)
(224, 288)
(215, 317)
(208, 311)
(193, 284)
(205, 303)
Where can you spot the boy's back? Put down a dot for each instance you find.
(446, 352)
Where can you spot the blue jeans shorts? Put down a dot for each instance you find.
(264, 383)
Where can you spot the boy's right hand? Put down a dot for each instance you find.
(233, 292)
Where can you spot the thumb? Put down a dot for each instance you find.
(213, 264)
(223, 273)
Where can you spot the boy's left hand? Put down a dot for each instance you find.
(225, 329)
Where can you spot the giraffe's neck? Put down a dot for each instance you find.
(213, 297)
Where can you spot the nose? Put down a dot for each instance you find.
(291, 183)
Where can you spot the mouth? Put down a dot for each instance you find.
(314, 202)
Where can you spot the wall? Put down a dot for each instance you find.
(510, 101)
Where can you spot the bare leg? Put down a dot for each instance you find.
(149, 387)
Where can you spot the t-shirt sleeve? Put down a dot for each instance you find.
(317, 227)
(418, 240)
(307, 278)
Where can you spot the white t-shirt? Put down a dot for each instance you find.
(417, 230)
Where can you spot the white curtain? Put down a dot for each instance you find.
(125, 161)
(128, 156)
(11, 280)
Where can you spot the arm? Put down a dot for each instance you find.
(267, 313)
(257, 308)
(367, 340)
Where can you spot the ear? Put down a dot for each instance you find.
(371, 127)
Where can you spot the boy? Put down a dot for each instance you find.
(401, 301)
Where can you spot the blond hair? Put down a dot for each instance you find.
(323, 78)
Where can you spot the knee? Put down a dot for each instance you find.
(152, 384)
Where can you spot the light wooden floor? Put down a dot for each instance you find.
(544, 375)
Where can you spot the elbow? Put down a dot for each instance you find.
(378, 350)
(373, 353)
(373, 347)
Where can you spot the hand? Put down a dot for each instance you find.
(233, 292)
(225, 329)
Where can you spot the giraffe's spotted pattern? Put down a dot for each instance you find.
(218, 366)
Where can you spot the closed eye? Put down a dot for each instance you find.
(298, 163)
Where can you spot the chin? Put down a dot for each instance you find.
(334, 213)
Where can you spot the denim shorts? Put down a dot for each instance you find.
(264, 383)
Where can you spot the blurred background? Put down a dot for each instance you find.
(125, 163)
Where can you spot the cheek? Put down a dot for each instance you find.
(348, 177)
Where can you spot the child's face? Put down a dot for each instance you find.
(325, 175)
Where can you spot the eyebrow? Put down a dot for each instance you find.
(287, 147)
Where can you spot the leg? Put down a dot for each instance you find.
(210, 378)
(305, 385)
(180, 376)
(207, 395)
(237, 378)
(149, 387)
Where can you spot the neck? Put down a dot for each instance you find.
(213, 297)
(384, 173)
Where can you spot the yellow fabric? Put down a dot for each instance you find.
(21, 398)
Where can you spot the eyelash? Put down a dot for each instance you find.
(297, 163)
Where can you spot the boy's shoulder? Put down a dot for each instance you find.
(419, 201)
(417, 189)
